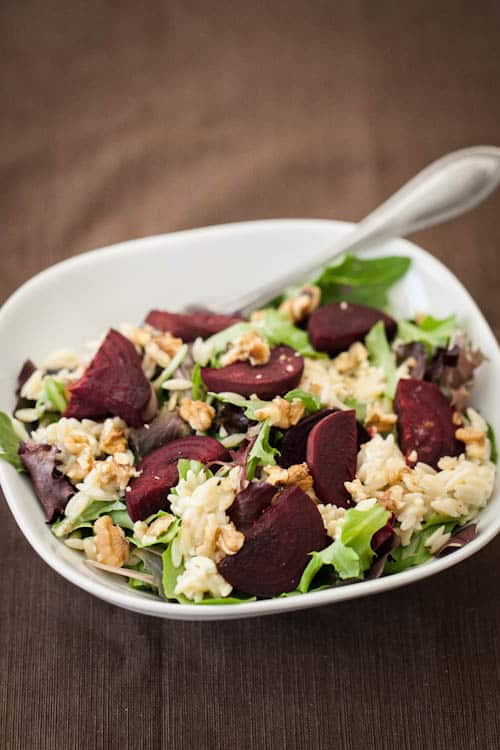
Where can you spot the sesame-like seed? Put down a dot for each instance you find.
(297, 354)
(128, 489)
(289, 368)
(146, 426)
(282, 357)
(259, 376)
(344, 305)
(157, 478)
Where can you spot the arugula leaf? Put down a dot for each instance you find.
(431, 332)
(382, 356)
(492, 438)
(173, 365)
(358, 406)
(199, 389)
(361, 281)
(262, 453)
(352, 554)
(9, 443)
(311, 403)
(415, 553)
(55, 392)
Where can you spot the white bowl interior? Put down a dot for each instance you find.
(77, 300)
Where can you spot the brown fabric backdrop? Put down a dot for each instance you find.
(123, 119)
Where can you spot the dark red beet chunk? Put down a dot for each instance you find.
(336, 326)
(113, 384)
(293, 448)
(250, 503)
(276, 548)
(53, 490)
(425, 422)
(149, 491)
(331, 456)
(189, 326)
(281, 374)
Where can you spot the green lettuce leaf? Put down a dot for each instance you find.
(431, 332)
(175, 363)
(9, 443)
(228, 600)
(310, 402)
(262, 453)
(415, 553)
(165, 538)
(344, 559)
(351, 555)
(199, 390)
(170, 575)
(279, 330)
(382, 356)
(273, 326)
(54, 392)
(358, 406)
(361, 281)
(492, 438)
(97, 508)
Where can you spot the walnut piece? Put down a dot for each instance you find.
(378, 420)
(113, 437)
(302, 304)
(112, 548)
(298, 475)
(249, 346)
(475, 442)
(281, 413)
(229, 539)
(169, 344)
(352, 358)
(197, 414)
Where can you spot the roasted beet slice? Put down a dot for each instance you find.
(336, 326)
(250, 503)
(276, 548)
(331, 456)
(25, 373)
(425, 422)
(149, 492)
(53, 490)
(189, 326)
(293, 448)
(164, 428)
(113, 384)
(281, 374)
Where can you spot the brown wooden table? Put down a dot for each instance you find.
(127, 119)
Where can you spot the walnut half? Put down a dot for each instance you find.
(111, 546)
(197, 414)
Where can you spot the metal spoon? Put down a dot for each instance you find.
(448, 187)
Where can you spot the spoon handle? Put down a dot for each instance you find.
(447, 188)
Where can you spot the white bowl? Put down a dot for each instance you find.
(78, 299)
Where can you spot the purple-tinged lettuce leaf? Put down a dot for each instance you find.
(460, 538)
(53, 490)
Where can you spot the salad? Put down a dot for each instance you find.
(212, 459)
